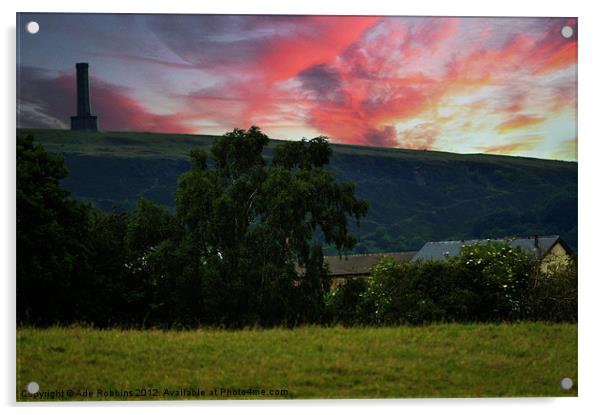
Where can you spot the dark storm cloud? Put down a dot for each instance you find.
(382, 137)
(45, 100)
(207, 41)
(324, 83)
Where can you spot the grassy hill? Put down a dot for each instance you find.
(415, 196)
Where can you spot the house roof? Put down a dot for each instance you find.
(538, 246)
(361, 264)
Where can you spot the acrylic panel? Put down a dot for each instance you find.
(295, 206)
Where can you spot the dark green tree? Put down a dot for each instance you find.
(102, 293)
(52, 230)
(70, 257)
(247, 243)
(151, 255)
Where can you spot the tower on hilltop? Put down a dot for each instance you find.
(84, 120)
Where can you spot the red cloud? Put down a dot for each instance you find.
(564, 56)
(375, 94)
(117, 110)
(436, 29)
(370, 109)
(526, 143)
(511, 148)
(514, 103)
(120, 112)
(421, 137)
(554, 51)
(519, 121)
(483, 66)
(359, 76)
(324, 38)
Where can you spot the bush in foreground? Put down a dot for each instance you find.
(552, 296)
(489, 282)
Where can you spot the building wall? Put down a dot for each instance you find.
(340, 280)
(557, 258)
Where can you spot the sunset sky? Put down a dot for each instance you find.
(465, 85)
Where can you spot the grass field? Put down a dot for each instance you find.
(451, 360)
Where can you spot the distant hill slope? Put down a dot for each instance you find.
(415, 196)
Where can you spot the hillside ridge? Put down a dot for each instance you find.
(67, 141)
(415, 196)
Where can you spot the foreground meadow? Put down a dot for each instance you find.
(447, 360)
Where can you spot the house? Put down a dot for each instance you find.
(342, 268)
(552, 251)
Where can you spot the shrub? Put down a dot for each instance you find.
(498, 275)
(552, 296)
(345, 303)
(378, 295)
(417, 293)
(484, 283)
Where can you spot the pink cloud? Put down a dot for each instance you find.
(421, 137)
(325, 38)
(515, 147)
(518, 122)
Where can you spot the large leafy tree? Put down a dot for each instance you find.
(151, 250)
(51, 230)
(70, 257)
(248, 236)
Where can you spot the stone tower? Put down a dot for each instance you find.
(84, 120)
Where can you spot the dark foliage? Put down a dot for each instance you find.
(552, 296)
(346, 304)
(243, 247)
(51, 234)
(489, 282)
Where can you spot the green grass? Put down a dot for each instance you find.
(448, 360)
(120, 144)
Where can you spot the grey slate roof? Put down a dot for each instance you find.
(538, 246)
(361, 264)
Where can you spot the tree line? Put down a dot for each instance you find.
(243, 247)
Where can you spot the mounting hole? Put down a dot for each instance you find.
(33, 387)
(567, 32)
(32, 27)
(566, 383)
